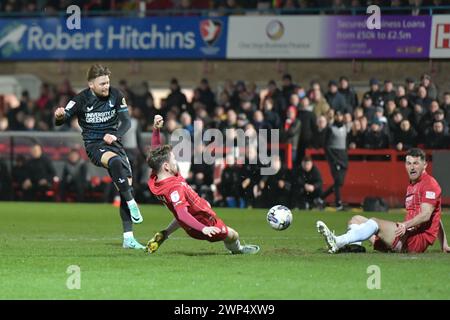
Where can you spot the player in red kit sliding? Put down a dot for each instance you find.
(422, 223)
(191, 212)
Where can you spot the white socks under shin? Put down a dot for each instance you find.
(357, 233)
(351, 226)
(128, 234)
(234, 246)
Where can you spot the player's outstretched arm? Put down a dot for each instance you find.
(426, 209)
(443, 238)
(184, 215)
(210, 231)
(158, 123)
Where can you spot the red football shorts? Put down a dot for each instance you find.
(210, 222)
(416, 243)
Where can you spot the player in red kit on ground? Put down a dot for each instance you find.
(191, 212)
(422, 223)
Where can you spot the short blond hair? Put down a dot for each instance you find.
(97, 70)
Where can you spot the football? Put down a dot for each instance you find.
(279, 217)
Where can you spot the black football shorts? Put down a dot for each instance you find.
(96, 149)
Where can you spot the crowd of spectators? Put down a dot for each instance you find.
(396, 115)
(387, 114)
(224, 7)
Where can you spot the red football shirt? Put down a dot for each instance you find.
(425, 190)
(175, 193)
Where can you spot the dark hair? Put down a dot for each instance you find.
(158, 156)
(97, 70)
(332, 83)
(416, 152)
(307, 158)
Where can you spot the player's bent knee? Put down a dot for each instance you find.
(108, 155)
(357, 219)
(353, 220)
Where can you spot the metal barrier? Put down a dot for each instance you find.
(56, 146)
(379, 173)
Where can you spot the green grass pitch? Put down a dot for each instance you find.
(39, 241)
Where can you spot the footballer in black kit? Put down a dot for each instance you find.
(102, 114)
(98, 116)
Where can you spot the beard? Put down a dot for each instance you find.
(99, 93)
(338, 123)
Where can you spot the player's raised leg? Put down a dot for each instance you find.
(119, 175)
(355, 247)
(385, 230)
(233, 244)
(386, 236)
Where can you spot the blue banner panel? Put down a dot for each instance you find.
(114, 38)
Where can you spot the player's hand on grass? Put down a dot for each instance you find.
(109, 138)
(158, 122)
(210, 231)
(59, 113)
(401, 229)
